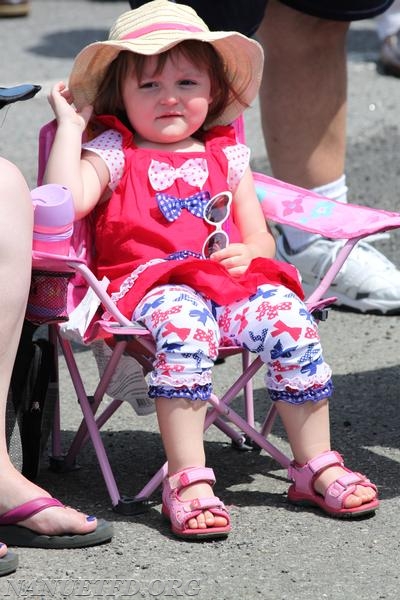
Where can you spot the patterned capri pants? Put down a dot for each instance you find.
(273, 323)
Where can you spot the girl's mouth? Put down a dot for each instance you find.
(169, 115)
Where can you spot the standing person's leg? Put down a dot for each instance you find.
(303, 102)
(15, 271)
(303, 96)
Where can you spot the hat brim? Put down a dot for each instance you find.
(242, 57)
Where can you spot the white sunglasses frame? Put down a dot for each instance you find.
(217, 224)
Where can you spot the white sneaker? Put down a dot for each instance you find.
(367, 282)
(389, 56)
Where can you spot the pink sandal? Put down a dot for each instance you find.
(180, 511)
(302, 490)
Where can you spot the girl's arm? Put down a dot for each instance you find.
(86, 176)
(257, 238)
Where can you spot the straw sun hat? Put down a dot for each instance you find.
(156, 27)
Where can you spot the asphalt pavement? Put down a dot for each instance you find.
(275, 551)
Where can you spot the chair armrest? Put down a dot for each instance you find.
(292, 205)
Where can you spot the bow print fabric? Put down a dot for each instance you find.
(193, 171)
(171, 206)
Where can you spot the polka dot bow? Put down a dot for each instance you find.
(193, 171)
(171, 206)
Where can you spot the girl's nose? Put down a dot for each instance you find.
(169, 99)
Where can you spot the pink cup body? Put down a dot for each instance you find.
(56, 246)
(53, 219)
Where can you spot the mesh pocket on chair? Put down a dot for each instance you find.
(47, 301)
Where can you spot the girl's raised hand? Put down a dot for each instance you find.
(61, 102)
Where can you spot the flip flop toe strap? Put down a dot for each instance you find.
(28, 509)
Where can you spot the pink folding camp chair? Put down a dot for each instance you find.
(281, 203)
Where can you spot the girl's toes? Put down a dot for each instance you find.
(362, 495)
(217, 521)
(209, 518)
(367, 494)
(353, 501)
(201, 521)
(197, 522)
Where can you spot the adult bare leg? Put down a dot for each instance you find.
(15, 271)
(303, 96)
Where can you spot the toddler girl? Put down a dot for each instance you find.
(180, 234)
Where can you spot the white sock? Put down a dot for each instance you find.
(298, 239)
(388, 23)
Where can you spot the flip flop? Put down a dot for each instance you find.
(17, 535)
(8, 564)
(18, 92)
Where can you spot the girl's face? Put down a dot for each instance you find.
(170, 106)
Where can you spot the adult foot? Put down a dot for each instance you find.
(55, 520)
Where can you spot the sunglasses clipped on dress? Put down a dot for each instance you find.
(216, 213)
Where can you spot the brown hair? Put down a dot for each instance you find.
(202, 54)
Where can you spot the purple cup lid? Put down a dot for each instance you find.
(53, 206)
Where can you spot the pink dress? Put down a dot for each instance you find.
(134, 240)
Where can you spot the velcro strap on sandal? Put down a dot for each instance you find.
(325, 460)
(191, 475)
(192, 508)
(315, 465)
(204, 503)
(350, 480)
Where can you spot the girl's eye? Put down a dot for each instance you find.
(187, 82)
(147, 85)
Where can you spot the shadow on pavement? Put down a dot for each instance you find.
(365, 429)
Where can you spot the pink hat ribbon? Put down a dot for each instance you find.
(158, 27)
